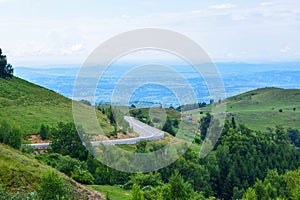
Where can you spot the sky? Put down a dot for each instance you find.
(44, 32)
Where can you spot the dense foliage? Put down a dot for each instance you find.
(10, 136)
(52, 186)
(232, 170)
(6, 70)
(66, 141)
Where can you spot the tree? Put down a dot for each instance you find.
(293, 184)
(204, 125)
(179, 189)
(233, 123)
(136, 192)
(66, 141)
(250, 195)
(168, 127)
(44, 131)
(6, 70)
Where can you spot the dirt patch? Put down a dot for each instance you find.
(118, 136)
(123, 136)
(99, 138)
(36, 138)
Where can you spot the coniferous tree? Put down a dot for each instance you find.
(6, 70)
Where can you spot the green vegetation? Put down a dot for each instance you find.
(116, 118)
(9, 136)
(276, 186)
(72, 167)
(24, 177)
(21, 195)
(27, 106)
(66, 141)
(249, 161)
(113, 192)
(6, 70)
(136, 193)
(260, 108)
(44, 132)
(52, 186)
(155, 116)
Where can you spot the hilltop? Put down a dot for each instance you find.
(27, 106)
(263, 108)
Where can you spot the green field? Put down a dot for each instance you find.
(27, 106)
(259, 109)
(114, 192)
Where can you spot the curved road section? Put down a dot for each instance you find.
(144, 131)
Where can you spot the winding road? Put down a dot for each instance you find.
(144, 131)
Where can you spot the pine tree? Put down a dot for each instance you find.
(6, 70)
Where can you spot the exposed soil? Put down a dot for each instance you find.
(118, 136)
(123, 136)
(36, 138)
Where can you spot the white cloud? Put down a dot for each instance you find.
(264, 27)
(222, 6)
(77, 47)
(266, 4)
(285, 49)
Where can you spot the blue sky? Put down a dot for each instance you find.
(60, 32)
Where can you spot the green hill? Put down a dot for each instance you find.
(27, 106)
(20, 171)
(262, 108)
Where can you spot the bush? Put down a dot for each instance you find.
(9, 136)
(82, 176)
(52, 186)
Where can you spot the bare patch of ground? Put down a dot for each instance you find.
(36, 138)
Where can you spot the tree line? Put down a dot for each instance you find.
(232, 170)
(244, 164)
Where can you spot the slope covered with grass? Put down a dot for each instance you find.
(27, 106)
(262, 108)
(22, 172)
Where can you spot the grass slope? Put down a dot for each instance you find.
(19, 171)
(114, 192)
(27, 106)
(259, 109)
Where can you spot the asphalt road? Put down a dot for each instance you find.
(144, 131)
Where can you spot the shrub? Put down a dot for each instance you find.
(82, 176)
(9, 136)
(52, 186)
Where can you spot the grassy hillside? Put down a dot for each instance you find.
(20, 171)
(259, 108)
(26, 106)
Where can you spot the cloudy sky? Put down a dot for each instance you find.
(41, 32)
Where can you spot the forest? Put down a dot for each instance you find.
(245, 164)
